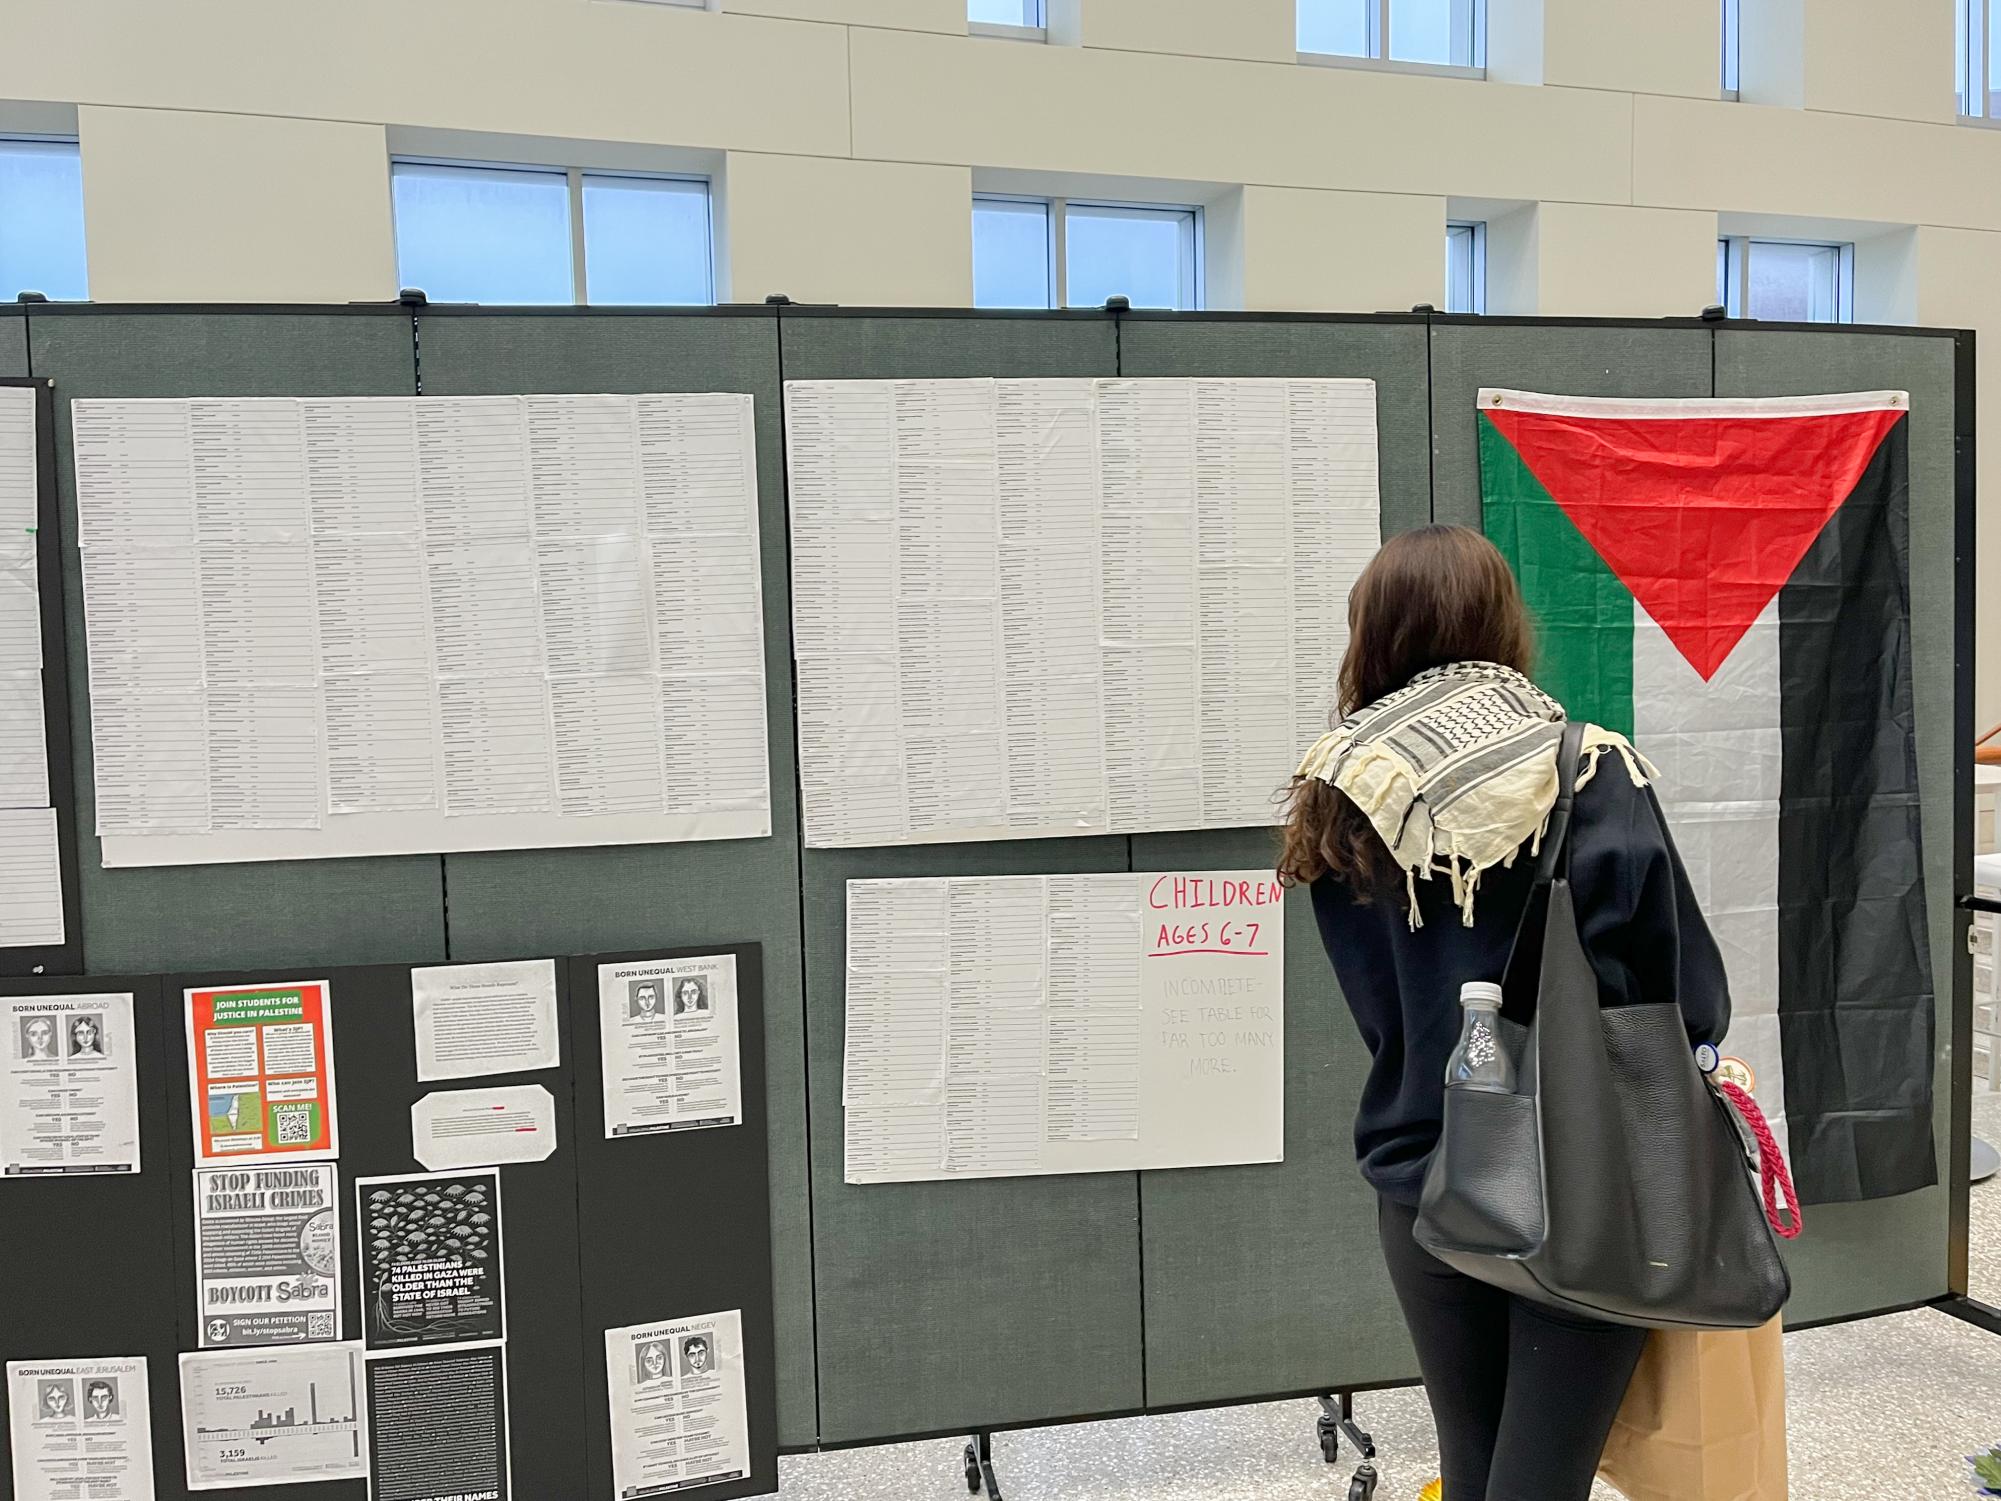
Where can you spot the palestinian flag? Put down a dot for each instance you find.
(1727, 582)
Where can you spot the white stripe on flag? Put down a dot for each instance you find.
(1678, 408)
(1717, 745)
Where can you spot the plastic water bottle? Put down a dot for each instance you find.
(1480, 1062)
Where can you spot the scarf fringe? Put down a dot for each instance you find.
(1638, 767)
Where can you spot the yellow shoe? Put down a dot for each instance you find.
(1433, 1492)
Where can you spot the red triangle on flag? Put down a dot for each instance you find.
(1703, 517)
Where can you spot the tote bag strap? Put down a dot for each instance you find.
(1555, 858)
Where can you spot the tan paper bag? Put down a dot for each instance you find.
(1704, 1420)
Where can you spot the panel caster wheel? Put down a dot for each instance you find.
(1330, 1439)
(973, 1469)
(1363, 1486)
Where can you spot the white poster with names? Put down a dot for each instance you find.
(80, 1430)
(327, 627)
(1009, 1025)
(31, 887)
(671, 1045)
(679, 1418)
(1035, 608)
(69, 1091)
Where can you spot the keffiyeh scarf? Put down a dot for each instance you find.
(1457, 771)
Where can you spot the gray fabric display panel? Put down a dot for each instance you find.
(910, 1309)
(1862, 1257)
(1281, 1260)
(646, 896)
(303, 912)
(1268, 1280)
(1665, 359)
(13, 343)
(946, 1305)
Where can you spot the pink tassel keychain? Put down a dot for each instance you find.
(1772, 1171)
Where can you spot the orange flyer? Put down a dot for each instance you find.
(261, 1068)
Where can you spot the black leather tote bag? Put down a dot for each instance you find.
(1615, 1183)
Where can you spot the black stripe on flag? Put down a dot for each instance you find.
(1856, 1014)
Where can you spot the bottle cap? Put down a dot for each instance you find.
(1479, 992)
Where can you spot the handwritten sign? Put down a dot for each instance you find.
(1213, 978)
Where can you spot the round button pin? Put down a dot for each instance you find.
(1706, 1058)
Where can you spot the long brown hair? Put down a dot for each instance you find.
(1431, 596)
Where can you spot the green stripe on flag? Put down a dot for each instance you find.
(1583, 614)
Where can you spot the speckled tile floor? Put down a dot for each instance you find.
(1878, 1410)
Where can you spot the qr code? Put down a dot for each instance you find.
(319, 1326)
(295, 1127)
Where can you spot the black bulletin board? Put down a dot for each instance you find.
(91, 1265)
(375, 1082)
(601, 1234)
(65, 958)
(669, 1219)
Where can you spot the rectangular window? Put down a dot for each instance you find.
(1794, 281)
(41, 220)
(1025, 18)
(511, 235)
(483, 234)
(1433, 33)
(647, 240)
(1977, 60)
(1014, 260)
(1733, 30)
(1466, 268)
(1043, 252)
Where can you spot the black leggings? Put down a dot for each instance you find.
(1523, 1396)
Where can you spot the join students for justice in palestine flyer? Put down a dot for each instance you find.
(261, 1067)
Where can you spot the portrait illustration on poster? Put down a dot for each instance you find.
(81, 1430)
(679, 1419)
(261, 1068)
(69, 1086)
(671, 1045)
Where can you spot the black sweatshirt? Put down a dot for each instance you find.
(1641, 927)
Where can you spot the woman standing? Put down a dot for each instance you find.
(1407, 820)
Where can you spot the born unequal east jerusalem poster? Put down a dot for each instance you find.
(1728, 582)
